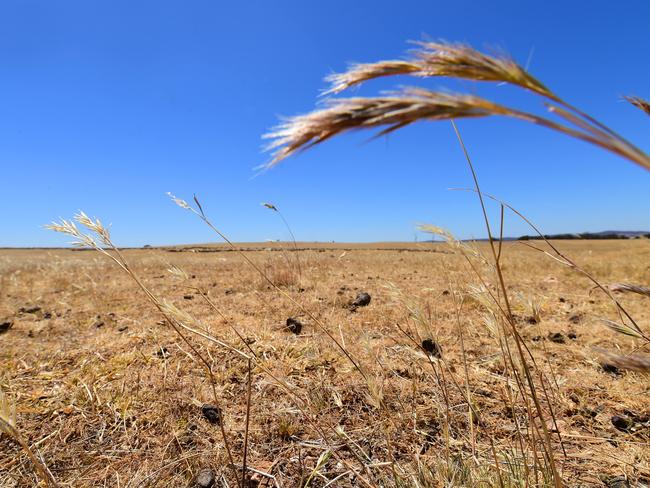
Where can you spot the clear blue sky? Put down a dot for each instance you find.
(105, 106)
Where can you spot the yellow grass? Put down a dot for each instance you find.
(110, 396)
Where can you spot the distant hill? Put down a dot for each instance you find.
(606, 234)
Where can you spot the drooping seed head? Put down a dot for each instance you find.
(391, 112)
(441, 59)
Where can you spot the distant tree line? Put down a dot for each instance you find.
(586, 235)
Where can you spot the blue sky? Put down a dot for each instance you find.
(106, 106)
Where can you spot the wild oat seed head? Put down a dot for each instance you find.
(622, 328)
(177, 272)
(462, 61)
(634, 362)
(270, 206)
(360, 72)
(393, 111)
(94, 226)
(434, 59)
(179, 202)
(64, 227)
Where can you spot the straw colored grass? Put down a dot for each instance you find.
(104, 405)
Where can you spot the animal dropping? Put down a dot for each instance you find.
(362, 300)
(294, 325)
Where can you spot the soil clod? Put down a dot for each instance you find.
(557, 337)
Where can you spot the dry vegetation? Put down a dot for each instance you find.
(110, 396)
(491, 364)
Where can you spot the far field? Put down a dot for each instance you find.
(110, 395)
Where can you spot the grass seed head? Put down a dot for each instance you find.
(434, 59)
(639, 103)
(392, 112)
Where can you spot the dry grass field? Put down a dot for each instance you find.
(108, 394)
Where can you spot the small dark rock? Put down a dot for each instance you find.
(445, 292)
(557, 337)
(562, 300)
(162, 352)
(622, 423)
(47, 315)
(301, 290)
(362, 300)
(123, 328)
(188, 297)
(572, 335)
(229, 291)
(212, 413)
(205, 479)
(531, 320)
(5, 326)
(432, 348)
(294, 325)
(98, 324)
(537, 338)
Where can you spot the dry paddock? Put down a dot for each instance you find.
(109, 395)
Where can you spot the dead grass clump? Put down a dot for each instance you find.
(281, 273)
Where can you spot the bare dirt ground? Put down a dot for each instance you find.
(110, 395)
